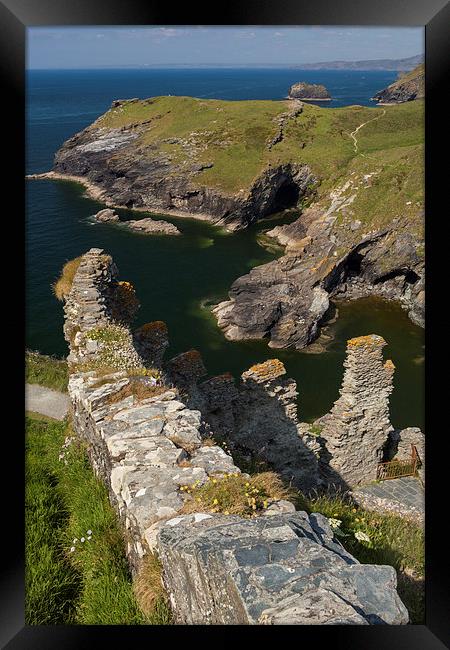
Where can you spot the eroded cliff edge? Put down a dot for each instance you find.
(406, 88)
(359, 169)
(328, 255)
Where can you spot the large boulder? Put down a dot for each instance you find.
(106, 215)
(282, 569)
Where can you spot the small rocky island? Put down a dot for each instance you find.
(312, 92)
(147, 226)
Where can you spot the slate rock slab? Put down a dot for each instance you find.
(284, 569)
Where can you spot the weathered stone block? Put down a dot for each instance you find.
(285, 569)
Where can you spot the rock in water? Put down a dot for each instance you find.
(303, 90)
(106, 215)
(151, 226)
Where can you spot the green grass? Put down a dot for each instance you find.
(234, 135)
(90, 585)
(46, 371)
(394, 540)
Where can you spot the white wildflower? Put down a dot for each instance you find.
(82, 539)
(90, 537)
(89, 532)
(334, 523)
(72, 548)
(75, 540)
(362, 537)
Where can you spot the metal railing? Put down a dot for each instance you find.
(397, 468)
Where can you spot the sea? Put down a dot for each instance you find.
(177, 279)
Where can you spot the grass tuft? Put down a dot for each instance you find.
(235, 494)
(139, 389)
(150, 592)
(62, 286)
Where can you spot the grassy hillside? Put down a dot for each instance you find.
(234, 136)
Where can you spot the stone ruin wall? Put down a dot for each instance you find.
(281, 567)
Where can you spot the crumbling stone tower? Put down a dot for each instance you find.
(97, 300)
(357, 427)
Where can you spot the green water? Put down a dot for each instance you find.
(176, 278)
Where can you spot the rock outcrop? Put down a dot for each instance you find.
(284, 569)
(106, 215)
(327, 256)
(408, 87)
(357, 429)
(305, 91)
(149, 226)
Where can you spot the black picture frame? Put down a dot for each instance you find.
(15, 17)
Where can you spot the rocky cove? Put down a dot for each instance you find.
(194, 271)
(351, 239)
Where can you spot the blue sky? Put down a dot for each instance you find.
(97, 46)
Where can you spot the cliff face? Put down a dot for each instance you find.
(229, 162)
(162, 155)
(408, 87)
(327, 256)
(361, 170)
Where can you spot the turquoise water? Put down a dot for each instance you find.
(177, 277)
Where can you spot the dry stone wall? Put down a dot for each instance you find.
(281, 567)
(138, 447)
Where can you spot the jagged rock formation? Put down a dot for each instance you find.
(146, 442)
(258, 419)
(358, 426)
(327, 256)
(407, 87)
(294, 111)
(281, 300)
(286, 569)
(305, 91)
